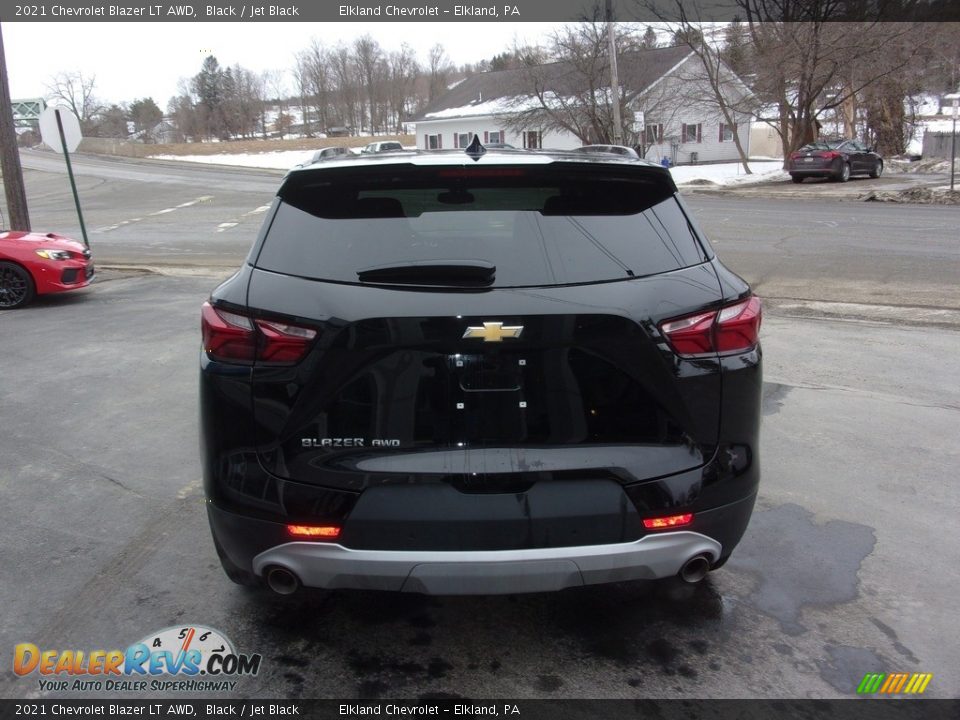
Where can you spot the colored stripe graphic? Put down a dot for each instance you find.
(871, 683)
(894, 683)
(890, 682)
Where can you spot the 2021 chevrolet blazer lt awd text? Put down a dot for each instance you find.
(500, 372)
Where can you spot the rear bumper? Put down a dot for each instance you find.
(327, 565)
(812, 171)
(256, 545)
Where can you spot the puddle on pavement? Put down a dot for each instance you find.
(845, 666)
(774, 395)
(797, 562)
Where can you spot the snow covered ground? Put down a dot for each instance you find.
(719, 174)
(279, 160)
(729, 173)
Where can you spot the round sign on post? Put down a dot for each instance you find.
(50, 134)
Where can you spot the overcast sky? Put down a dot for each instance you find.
(134, 60)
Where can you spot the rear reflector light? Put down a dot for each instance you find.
(316, 532)
(232, 337)
(668, 521)
(734, 328)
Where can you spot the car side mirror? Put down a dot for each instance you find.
(869, 148)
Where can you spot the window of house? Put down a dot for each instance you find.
(493, 136)
(727, 131)
(532, 139)
(691, 133)
(462, 140)
(654, 132)
(433, 142)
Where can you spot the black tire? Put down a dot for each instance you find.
(797, 178)
(238, 575)
(16, 286)
(843, 172)
(877, 170)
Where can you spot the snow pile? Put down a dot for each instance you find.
(932, 166)
(728, 173)
(279, 160)
(919, 195)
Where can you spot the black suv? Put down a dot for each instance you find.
(496, 372)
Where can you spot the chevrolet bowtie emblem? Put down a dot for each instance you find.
(493, 331)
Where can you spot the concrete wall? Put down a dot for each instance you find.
(113, 146)
(125, 148)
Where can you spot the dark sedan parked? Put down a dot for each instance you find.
(835, 159)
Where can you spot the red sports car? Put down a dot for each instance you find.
(36, 264)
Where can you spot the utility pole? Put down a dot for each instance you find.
(614, 80)
(10, 154)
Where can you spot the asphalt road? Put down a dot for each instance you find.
(849, 565)
(795, 243)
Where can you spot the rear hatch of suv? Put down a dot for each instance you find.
(483, 327)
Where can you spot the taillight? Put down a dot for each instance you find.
(667, 521)
(829, 155)
(314, 532)
(233, 337)
(227, 336)
(734, 328)
(738, 326)
(283, 343)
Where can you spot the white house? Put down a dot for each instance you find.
(665, 88)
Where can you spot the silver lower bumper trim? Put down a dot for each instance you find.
(493, 572)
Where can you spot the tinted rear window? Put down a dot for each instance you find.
(538, 227)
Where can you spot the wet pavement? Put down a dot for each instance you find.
(848, 565)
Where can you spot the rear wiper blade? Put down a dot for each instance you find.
(459, 273)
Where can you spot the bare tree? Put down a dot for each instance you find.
(301, 77)
(319, 80)
(439, 68)
(403, 70)
(345, 73)
(77, 91)
(708, 82)
(243, 101)
(567, 85)
(808, 63)
(184, 114)
(368, 57)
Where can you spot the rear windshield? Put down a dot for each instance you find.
(534, 227)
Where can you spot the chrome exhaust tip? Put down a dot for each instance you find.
(695, 569)
(282, 581)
